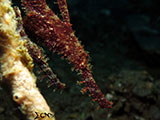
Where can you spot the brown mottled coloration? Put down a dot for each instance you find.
(43, 25)
(36, 54)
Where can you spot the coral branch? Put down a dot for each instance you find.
(16, 66)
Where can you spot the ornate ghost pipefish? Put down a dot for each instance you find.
(45, 27)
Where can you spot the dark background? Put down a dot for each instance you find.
(123, 39)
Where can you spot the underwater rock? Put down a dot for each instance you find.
(153, 113)
(142, 90)
(137, 81)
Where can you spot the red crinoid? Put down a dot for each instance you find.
(42, 24)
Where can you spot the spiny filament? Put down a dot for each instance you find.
(36, 53)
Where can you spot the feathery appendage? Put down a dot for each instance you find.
(36, 54)
(45, 27)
